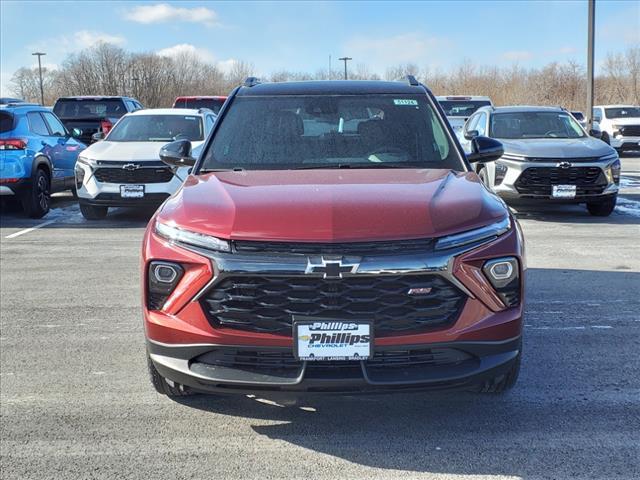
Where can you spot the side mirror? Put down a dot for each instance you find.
(76, 133)
(595, 132)
(96, 137)
(485, 149)
(177, 154)
(471, 134)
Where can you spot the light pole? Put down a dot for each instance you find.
(40, 54)
(345, 60)
(135, 86)
(590, 58)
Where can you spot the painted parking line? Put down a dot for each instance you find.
(30, 229)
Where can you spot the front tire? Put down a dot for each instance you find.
(93, 212)
(602, 208)
(162, 386)
(36, 202)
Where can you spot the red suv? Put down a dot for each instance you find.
(332, 236)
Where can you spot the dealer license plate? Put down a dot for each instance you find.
(564, 191)
(132, 191)
(332, 340)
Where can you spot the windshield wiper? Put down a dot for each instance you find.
(210, 170)
(352, 165)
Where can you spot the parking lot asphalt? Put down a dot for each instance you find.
(75, 400)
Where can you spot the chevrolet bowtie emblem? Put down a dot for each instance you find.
(331, 268)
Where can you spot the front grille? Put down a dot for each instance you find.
(267, 304)
(283, 361)
(558, 160)
(141, 175)
(539, 180)
(349, 248)
(630, 130)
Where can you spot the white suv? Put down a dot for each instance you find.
(124, 169)
(460, 107)
(620, 125)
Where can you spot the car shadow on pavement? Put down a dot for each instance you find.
(571, 415)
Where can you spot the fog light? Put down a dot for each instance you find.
(79, 176)
(501, 171)
(162, 279)
(613, 172)
(503, 273)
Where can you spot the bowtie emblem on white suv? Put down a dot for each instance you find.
(130, 166)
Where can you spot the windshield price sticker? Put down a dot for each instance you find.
(328, 340)
(405, 101)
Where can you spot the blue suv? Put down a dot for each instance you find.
(37, 156)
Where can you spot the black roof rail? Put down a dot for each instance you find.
(411, 80)
(251, 82)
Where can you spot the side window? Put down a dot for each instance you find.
(481, 126)
(130, 106)
(37, 125)
(57, 129)
(209, 123)
(138, 106)
(597, 114)
(471, 124)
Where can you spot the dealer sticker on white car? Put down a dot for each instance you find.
(331, 340)
(564, 191)
(132, 191)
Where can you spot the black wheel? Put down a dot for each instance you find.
(485, 178)
(605, 138)
(92, 212)
(602, 208)
(37, 201)
(162, 386)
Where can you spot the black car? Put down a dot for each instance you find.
(92, 114)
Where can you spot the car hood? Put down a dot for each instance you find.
(127, 151)
(557, 147)
(332, 205)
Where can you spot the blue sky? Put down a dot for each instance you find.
(300, 36)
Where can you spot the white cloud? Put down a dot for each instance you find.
(87, 38)
(226, 65)
(187, 49)
(517, 56)
(163, 12)
(380, 52)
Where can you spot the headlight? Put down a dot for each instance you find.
(504, 275)
(613, 172)
(179, 235)
(87, 161)
(473, 236)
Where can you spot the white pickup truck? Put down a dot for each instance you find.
(459, 108)
(620, 125)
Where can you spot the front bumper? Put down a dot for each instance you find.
(592, 185)
(93, 192)
(622, 142)
(472, 364)
(181, 332)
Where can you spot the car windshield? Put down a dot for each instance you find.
(535, 125)
(622, 112)
(343, 131)
(89, 108)
(157, 128)
(462, 108)
(214, 104)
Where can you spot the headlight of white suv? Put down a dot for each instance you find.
(187, 237)
(472, 236)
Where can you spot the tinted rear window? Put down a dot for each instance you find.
(89, 108)
(462, 108)
(6, 122)
(211, 103)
